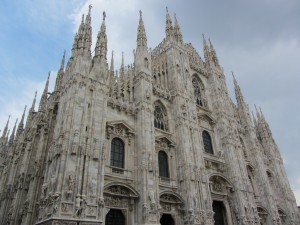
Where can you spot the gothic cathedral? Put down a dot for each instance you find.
(156, 142)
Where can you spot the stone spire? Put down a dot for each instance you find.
(265, 123)
(44, 97)
(214, 56)
(21, 124)
(122, 69)
(177, 31)
(206, 50)
(60, 73)
(169, 26)
(12, 136)
(111, 77)
(87, 35)
(31, 111)
(101, 45)
(238, 94)
(141, 35)
(5, 128)
(142, 58)
(83, 38)
(112, 63)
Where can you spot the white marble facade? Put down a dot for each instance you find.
(156, 142)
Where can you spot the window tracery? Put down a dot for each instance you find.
(197, 91)
(160, 117)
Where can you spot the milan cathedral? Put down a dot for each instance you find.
(155, 142)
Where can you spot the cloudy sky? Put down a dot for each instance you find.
(258, 40)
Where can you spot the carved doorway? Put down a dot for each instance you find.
(166, 219)
(115, 217)
(220, 213)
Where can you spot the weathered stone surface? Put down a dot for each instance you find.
(158, 140)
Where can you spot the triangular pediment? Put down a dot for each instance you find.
(164, 141)
(206, 117)
(121, 124)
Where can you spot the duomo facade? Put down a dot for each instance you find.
(156, 142)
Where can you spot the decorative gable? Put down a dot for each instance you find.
(119, 128)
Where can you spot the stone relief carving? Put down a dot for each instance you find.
(119, 129)
(151, 195)
(71, 182)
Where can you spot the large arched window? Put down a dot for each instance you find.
(197, 91)
(208, 148)
(117, 153)
(160, 117)
(163, 164)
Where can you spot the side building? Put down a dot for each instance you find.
(156, 142)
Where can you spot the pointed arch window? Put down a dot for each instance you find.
(117, 153)
(208, 148)
(160, 117)
(197, 91)
(163, 164)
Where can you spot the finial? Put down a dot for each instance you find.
(62, 64)
(90, 9)
(167, 10)
(24, 109)
(104, 15)
(141, 14)
(82, 18)
(233, 75)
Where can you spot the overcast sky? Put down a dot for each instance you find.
(258, 40)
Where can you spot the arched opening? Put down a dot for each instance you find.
(115, 217)
(166, 219)
(220, 213)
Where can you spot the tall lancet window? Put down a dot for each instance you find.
(197, 91)
(163, 164)
(117, 153)
(208, 148)
(160, 116)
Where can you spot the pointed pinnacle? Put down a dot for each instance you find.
(33, 102)
(12, 136)
(112, 62)
(21, 124)
(90, 9)
(62, 64)
(6, 127)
